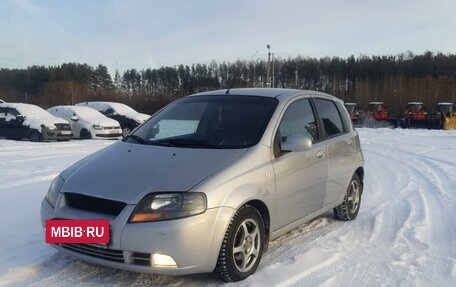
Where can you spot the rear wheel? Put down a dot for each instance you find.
(85, 135)
(242, 245)
(349, 209)
(35, 136)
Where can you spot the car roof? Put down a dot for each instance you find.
(376, 103)
(266, 92)
(415, 103)
(16, 105)
(74, 108)
(354, 104)
(445, 104)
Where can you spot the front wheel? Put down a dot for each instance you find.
(242, 245)
(349, 208)
(35, 136)
(85, 135)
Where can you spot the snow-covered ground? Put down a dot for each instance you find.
(405, 233)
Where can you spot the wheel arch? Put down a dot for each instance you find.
(360, 172)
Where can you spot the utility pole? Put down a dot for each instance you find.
(72, 92)
(273, 75)
(269, 59)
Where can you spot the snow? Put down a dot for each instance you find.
(119, 108)
(404, 234)
(35, 116)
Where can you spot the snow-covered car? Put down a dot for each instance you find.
(209, 180)
(88, 123)
(125, 115)
(26, 121)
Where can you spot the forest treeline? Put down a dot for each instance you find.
(394, 79)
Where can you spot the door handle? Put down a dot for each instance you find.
(320, 154)
(350, 142)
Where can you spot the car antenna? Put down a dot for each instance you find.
(230, 86)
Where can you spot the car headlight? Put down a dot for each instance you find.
(165, 206)
(97, 127)
(54, 190)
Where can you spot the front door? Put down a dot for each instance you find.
(300, 176)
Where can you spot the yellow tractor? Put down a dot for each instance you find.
(444, 116)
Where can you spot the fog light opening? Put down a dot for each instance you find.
(162, 260)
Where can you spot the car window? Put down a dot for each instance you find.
(13, 112)
(2, 112)
(344, 115)
(108, 111)
(330, 117)
(299, 119)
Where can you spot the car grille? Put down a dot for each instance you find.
(111, 128)
(136, 258)
(94, 204)
(64, 127)
(98, 252)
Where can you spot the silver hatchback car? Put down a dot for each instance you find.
(210, 179)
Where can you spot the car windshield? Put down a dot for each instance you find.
(122, 109)
(32, 111)
(350, 108)
(415, 108)
(208, 122)
(445, 108)
(375, 107)
(86, 112)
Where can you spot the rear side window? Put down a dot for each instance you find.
(330, 117)
(344, 115)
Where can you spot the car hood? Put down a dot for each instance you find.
(127, 172)
(35, 122)
(105, 122)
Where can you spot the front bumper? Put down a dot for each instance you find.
(107, 133)
(193, 242)
(56, 134)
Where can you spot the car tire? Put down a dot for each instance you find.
(85, 135)
(242, 245)
(126, 130)
(35, 136)
(349, 209)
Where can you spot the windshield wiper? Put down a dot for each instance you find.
(190, 143)
(136, 138)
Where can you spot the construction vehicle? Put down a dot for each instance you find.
(377, 110)
(415, 116)
(444, 116)
(353, 111)
(377, 116)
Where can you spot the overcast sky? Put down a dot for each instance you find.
(141, 34)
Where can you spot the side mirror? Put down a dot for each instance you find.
(296, 143)
(74, 118)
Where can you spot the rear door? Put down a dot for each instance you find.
(300, 176)
(340, 141)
